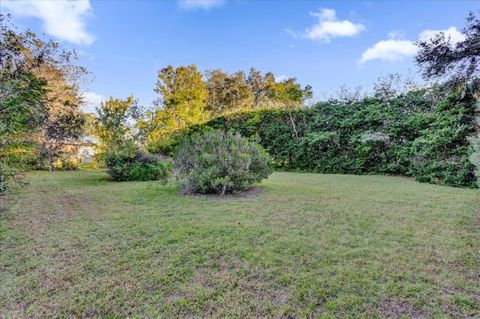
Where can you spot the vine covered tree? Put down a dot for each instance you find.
(439, 57)
(460, 62)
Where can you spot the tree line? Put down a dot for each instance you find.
(41, 122)
(188, 97)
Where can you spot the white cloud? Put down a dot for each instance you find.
(281, 77)
(200, 4)
(329, 27)
(63, 19)
(92, 101)
(451, 33)
(390, 50)
(396, 34)
(397, 49)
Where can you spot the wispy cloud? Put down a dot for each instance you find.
(200, 4)
(397, 49)
(62, 19)
(329, 26)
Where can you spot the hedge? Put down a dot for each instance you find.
(424, 134)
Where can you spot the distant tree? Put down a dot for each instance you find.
(268, 93)
(186, 99)
(392, 85)
(183, 94)
(182, 102)
(347, 95)
(290, 93)
(439, 57)
(228, 93)
(113, 126)
(260, 85)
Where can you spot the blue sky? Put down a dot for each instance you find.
(322, 43)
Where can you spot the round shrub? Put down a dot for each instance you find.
(218, 162)
(127, 165)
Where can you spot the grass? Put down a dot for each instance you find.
(73, 244)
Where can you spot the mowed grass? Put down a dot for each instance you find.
(74, 244)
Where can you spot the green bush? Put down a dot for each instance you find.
(134, 165)
(220, 162)
(424, 134)
(8, 175)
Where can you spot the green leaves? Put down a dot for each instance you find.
(131, 164)
(220, 162)
(423, 134)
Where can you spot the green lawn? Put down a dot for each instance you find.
(74, 244)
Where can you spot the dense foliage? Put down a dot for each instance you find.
(220, 162)
(441, 57)
(188, 97)
(40, 120)
(131, 164)
(423, 133)
(112, 125)
(124, 160)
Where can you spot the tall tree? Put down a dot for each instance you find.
(228, 93)
(269, 93)
(182, 102)
(26, 59)
(22, 108)
(64, 122)
(22, 97)
(183, 94)
(289, 93)
(260, 85)
(113, 125)
(460, 62)
(439, 57)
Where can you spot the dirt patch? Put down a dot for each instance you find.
(398, 308)
(240, 195)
